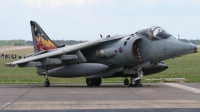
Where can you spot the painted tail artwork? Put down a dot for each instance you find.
(41, 41)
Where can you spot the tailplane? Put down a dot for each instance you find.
(41, 41)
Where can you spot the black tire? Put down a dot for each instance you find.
(89, 82)
(137, 83)
(97, 81)
(126, 81)
(47, 83)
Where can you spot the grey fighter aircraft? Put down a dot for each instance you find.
(132, 55)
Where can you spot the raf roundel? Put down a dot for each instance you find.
(120, 49)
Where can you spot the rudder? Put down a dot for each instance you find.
(41, 41)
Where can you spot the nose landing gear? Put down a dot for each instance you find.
(126, 81)
(135, 81)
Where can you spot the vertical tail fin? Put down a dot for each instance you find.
(40, 39)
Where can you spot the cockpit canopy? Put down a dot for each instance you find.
(154, 33)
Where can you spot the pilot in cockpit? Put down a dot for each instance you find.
(149, 33)
(154, 33)
(159, 34)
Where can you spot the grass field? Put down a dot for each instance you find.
(187, 67)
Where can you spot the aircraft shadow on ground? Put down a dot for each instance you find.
(102, 86)
(74, 86)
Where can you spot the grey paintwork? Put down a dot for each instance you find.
(117, 53)
(77, 70)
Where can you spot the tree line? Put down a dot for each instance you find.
(195, 41)
(30, 43)
(20, 42)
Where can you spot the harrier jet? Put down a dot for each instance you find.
(132, 55)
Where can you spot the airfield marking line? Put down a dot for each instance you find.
(168, 105)
(150, 101)
(8, 104)
(192, 89)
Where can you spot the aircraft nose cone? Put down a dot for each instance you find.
(195, 48)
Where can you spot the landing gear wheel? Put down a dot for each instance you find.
(47, 83)
(97, 82)
(89, 82)
(93, 81)
(135, 83)
(126, 81)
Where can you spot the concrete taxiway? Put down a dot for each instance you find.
(165, 97)
(12, 48)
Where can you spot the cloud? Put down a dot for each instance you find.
(153, 2)
(54, 3)
(58, 3)
(150, 2)
(32, 3)
(196, 1)
(175, 0)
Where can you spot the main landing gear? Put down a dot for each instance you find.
(93, 81)
(47, 82)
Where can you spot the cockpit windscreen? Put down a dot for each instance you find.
(155, 33)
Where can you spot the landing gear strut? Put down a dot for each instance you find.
(135, 81)
(93, 81)
(47, 82)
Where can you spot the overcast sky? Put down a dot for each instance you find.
(80, 19)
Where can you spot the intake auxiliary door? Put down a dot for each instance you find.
(145, 46)
(136, 50)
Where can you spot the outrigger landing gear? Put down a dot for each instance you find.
(135, 81)
(47, 82)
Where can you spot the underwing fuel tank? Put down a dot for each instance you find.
(77, 70)
(160, 67)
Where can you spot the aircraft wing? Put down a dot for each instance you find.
(33, 61)
(56, 52)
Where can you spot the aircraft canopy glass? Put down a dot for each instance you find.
(154, 33)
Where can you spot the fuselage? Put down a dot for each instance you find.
(123, 52)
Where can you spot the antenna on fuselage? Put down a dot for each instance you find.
(101, 36)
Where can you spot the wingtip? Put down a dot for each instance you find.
(9, 65)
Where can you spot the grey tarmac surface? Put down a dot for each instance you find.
(153, 97)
